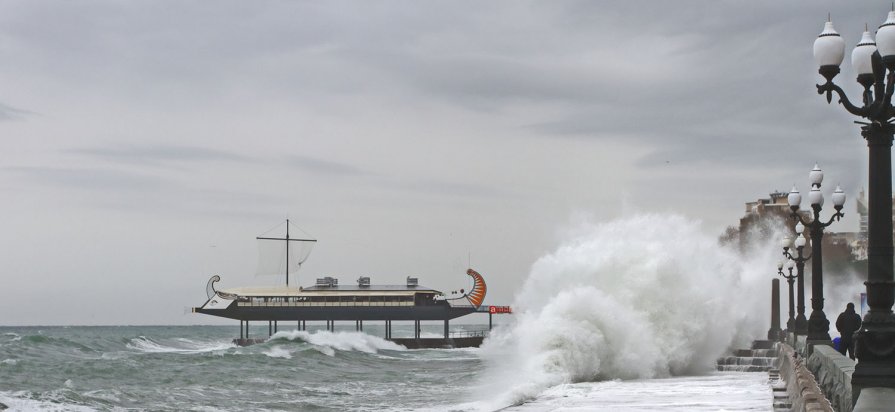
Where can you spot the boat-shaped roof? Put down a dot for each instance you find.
(397, 290)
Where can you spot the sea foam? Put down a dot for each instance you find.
(642, 297)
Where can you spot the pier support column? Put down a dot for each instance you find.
(269, 328)
(446, 327)
(304, 325)
(774, 333)
(247, 329)
(490, 317)
(388, 329)
(361, 325)
(240, 330)
(275, 327)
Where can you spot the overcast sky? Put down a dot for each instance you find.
(145, 144)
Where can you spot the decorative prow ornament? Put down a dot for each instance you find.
(477, 295)
(209, 288)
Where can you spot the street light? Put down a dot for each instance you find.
(875, 67)
(790, 323)
(800, 326)
(818, 325)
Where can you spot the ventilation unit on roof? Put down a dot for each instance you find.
(413, 281)
(327, 282)
(363, 281)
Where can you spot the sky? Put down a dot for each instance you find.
(146, 144)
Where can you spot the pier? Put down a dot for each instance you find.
(450, 339)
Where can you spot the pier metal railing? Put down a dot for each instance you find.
(468, 333)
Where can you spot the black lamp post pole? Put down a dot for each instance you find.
(790, 323)
(875, 341)
(801, 323)
(818, 325)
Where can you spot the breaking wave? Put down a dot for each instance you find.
(329, 342)
(180, 345)
(22, 401)
(642, 297)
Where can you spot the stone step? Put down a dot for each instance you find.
(743, 368)
(762, 344)
(760, 358)
(738, 360)
(768, 353)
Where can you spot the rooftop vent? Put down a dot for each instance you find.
(363, 281)
(327, 282)
(413, 281)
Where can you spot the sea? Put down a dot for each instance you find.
(626, 315)
(198, 368)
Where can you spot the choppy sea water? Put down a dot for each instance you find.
(628, 315)
(197, 368)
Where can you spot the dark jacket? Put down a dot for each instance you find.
(847, 323)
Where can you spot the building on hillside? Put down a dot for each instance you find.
(762, 218)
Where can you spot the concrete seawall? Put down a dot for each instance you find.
(823, 382)
(833, 371)
(803, 391)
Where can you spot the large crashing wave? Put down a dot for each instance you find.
(642, 297)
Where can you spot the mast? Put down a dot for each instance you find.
(287, 239)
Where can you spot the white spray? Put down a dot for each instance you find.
(642, 297)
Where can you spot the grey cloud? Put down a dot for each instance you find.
(12, 113)
(157, 154)
(95, 179)
(322, 166)
(451, 189)
(117, 189)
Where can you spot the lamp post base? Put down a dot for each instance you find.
(875, 350)
(801, 325)
(818, 327)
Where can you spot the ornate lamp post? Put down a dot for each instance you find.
(818, 325)
(790, 323)
(875, 67)
(800, 326)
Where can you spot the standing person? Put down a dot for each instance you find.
(847, 324)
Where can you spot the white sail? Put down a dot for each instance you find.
(272, 256)
(283, 255)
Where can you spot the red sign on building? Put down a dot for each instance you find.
(499, 309)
